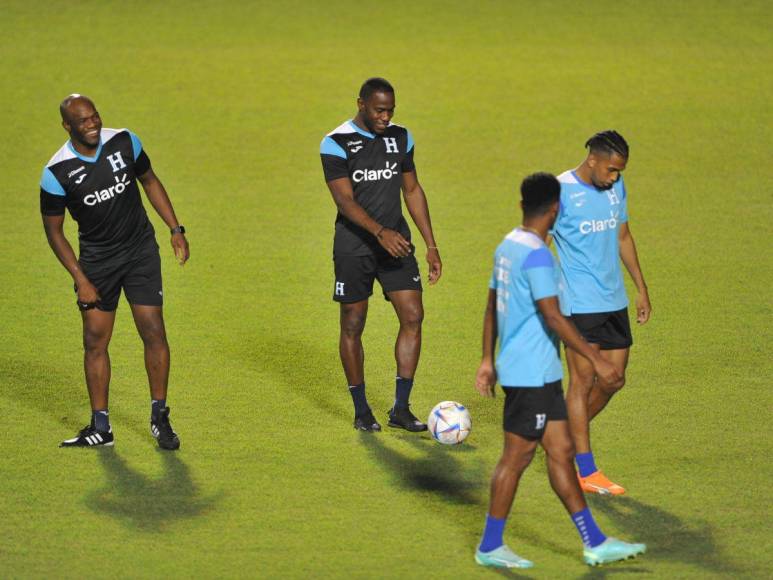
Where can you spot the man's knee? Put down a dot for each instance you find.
(412, 317)
(612, 388)
(580, 384)
(517, 462)
(561, 450)
(352, 321)
(153, 333)
(95, 343)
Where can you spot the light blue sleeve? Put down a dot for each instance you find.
(136, 145)
(50, 184)
(410, 141)
(623, 217)
(330, 147)
(539, 270)
(561, 210)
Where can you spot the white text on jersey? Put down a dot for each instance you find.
(105, 194)
(375, 174)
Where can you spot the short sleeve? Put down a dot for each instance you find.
(53, 199)
(333, 159)
(539, 270)
(408, 165)
(623, 217)
(136, 145)
(559, 215)
(142, 164)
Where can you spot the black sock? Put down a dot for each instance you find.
(100, 420)
(402, 392)
(155, 407)
(358, 398)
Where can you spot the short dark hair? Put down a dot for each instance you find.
(539, 191)
(375, 85)
(608, 142)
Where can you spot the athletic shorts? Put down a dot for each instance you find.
(139, 277)
(355, 275)
(610, 330)
(528, 409)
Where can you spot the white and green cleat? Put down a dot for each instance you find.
(502, 557)
(612, 550)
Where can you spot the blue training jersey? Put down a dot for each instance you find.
(586, 237)
(524, 272)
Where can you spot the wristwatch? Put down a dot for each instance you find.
(178, 230)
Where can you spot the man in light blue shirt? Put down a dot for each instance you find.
(523, 313)
(592, 237)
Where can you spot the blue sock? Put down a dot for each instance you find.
(155, 407)
(586, 463)
(492, 534)
(402, 392)
(590, 533)
(100, 420)
(358, 398)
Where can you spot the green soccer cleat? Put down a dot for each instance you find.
(612, 550)
(502, 557)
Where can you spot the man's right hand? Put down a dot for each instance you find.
(486, 379)
(87, 293)
(606, 372)
(394, 243)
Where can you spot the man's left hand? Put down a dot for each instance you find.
(180, 247)
(435, 265)
(643, 307)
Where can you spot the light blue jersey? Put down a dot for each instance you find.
(586, 236)
(524, 272)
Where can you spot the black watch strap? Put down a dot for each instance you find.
(178, 230)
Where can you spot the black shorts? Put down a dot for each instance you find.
(528, 409)
(355, 275)
(139, 276)
(610, 330)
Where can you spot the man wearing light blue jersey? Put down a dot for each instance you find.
(592, 237)
(523, 313)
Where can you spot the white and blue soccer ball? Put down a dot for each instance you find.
(449, 423)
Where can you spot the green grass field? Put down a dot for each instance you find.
(231, 101)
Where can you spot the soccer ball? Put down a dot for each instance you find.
(449, 422)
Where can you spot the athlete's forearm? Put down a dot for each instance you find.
(64, 253)
(564, 328)
(631, 261)
(343, 196)
(160, 201)
(417, 205)
(490, 327)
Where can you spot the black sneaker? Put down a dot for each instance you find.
(161, 429)
(366, 422)
(404, 419)
(90, 437)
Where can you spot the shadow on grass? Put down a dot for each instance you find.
(312, 381)
(667, 537)
(438, 471)
(144, 503)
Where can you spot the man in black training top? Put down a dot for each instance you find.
(94, 176)
(367, 161)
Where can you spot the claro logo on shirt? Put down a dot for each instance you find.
(595, 226)
(106, 194)
(375, 174)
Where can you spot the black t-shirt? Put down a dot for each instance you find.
(375, 165)
(101, 194)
